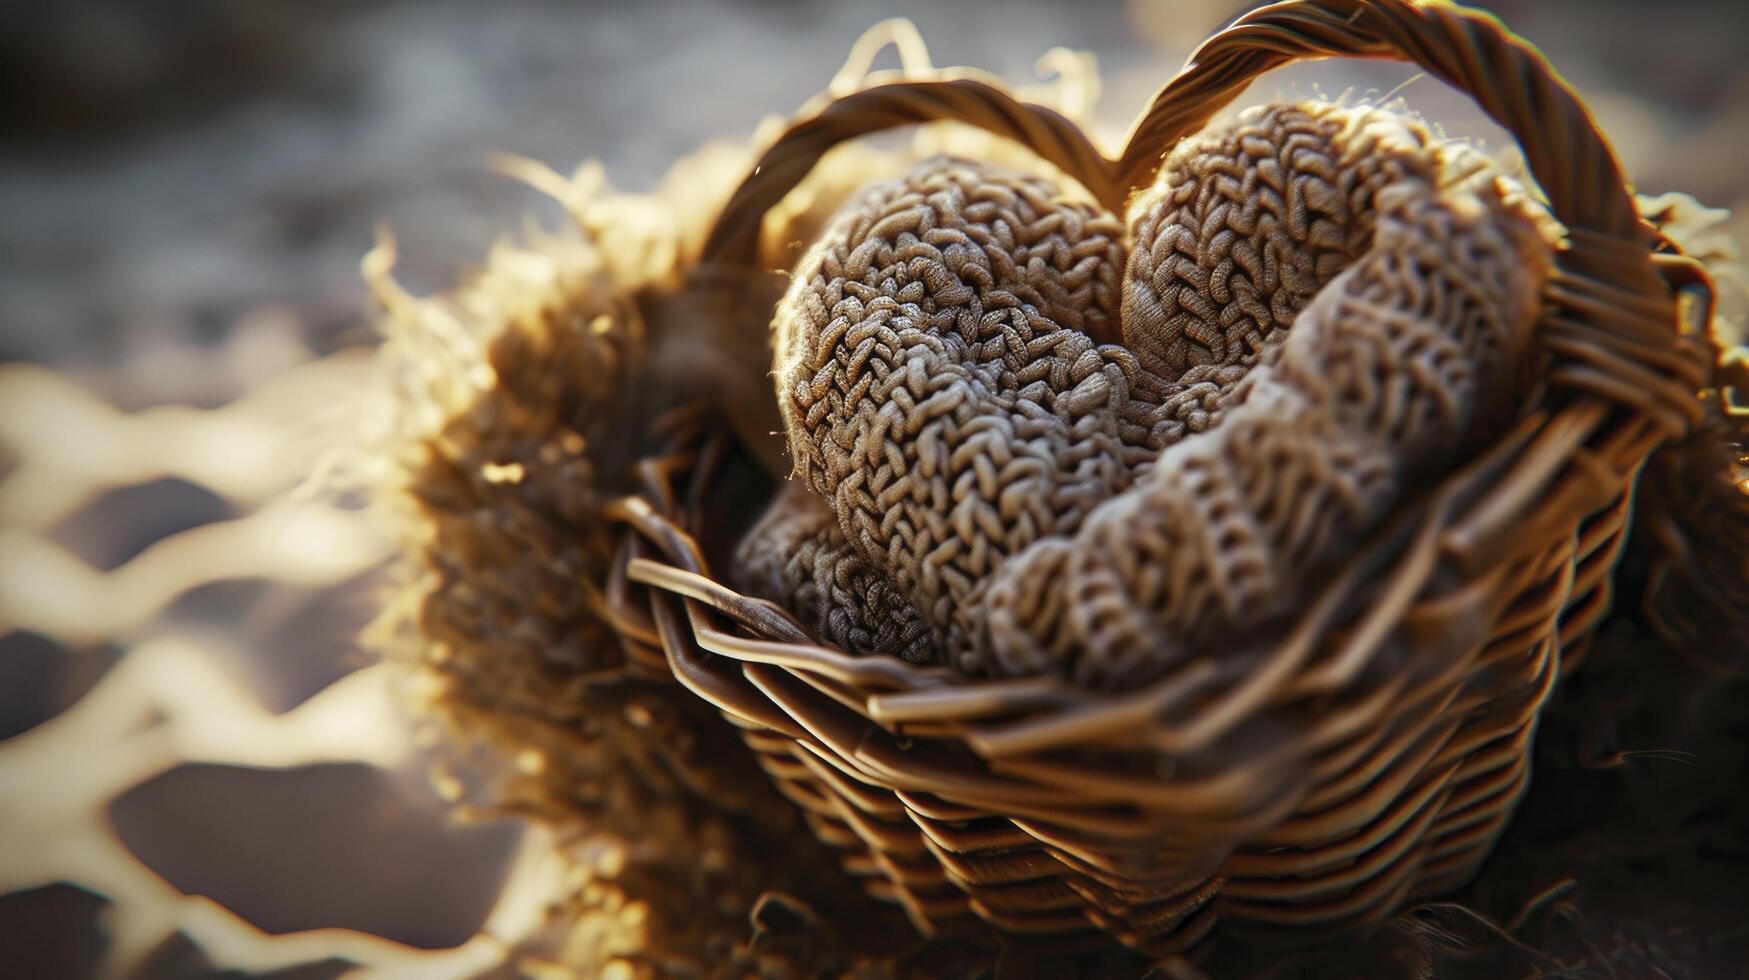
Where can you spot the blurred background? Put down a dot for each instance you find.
(201, 773)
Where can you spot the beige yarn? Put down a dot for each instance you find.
(1044, 445)
(799, 549)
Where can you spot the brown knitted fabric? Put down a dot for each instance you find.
(1052, 503)
(953, 305)
(846, 599)
(1245, 224)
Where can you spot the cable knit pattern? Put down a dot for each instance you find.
(847, 600)
(1244, 225)
(1041, 451)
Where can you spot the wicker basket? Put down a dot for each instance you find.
(1315, 777)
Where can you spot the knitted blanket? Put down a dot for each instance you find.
(1032, 437)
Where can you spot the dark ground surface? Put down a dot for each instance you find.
(173, 170)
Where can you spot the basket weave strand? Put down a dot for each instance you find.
(963, 98)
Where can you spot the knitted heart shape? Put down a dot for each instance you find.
(1031, 438)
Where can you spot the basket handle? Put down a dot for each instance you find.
(1608, 311)
(1467, 49)
(963, 97)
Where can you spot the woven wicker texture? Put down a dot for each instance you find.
(1359, 732)
(944, 389)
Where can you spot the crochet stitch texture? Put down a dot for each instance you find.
(1031, 438)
